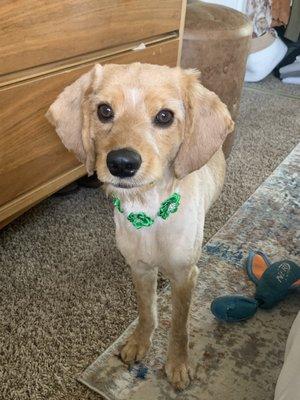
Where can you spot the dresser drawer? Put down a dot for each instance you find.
(36, 32)
(31, 153)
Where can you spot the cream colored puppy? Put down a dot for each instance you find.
(154, 136)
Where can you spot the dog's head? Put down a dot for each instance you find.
(131, 122)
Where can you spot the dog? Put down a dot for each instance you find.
(154, 135)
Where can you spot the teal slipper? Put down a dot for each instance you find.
(276, 282)
(273, 281)
(234, 308)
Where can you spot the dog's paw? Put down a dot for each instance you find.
(134, 350)
(179, 374)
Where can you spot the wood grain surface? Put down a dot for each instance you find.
(36, 32)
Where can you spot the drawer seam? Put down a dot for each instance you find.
(61, 66)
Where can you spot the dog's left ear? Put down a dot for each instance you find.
(207, 124)
(70, 116)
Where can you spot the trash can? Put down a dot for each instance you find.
(216, 41)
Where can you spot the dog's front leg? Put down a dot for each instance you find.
(177, 367)
(145, 282)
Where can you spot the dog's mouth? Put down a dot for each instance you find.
(133, 184)
(122, 185)
(128, 186)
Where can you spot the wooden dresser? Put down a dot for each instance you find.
(46, 45)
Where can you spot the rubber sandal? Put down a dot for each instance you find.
(234, 308)
(273, 283)
(257, 264)
(276, 282)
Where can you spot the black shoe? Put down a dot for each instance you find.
(69, 189)
(89, 181)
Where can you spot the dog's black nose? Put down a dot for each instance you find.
(123, 163)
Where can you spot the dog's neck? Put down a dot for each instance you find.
(147, 198)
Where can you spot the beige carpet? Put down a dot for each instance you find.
(65, 291)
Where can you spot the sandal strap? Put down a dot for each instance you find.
(250, 262)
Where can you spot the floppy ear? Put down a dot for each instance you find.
(69, 115)
(207, 124)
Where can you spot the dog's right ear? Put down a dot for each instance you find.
(208, 122)
(70, 119)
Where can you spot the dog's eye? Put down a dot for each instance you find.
(164, 118)
(105, 112)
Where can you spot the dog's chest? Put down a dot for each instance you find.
(165, 243)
